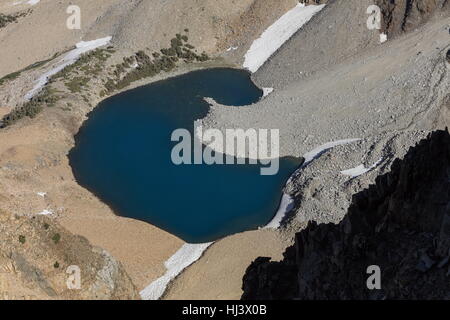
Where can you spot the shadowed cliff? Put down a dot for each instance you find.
(401, 224)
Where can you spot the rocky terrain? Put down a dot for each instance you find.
(35, 254)
(333, 80)
(401, 224)
(401, 16)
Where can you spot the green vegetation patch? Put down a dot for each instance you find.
(56, 238)
(22, 239)
(77, 83)
(16, 74)
(77, 77)
(31, 108)
(7, 19)
(149, 66)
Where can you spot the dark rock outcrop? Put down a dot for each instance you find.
(404, 15)
(400, 224)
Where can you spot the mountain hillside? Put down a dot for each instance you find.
(400, 224)
(36, 254)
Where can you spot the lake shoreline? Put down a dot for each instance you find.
(83, 213)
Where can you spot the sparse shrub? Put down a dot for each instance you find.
(77, 83)
(22, 239)
(31, 108)
(164, 61)
(56, 238)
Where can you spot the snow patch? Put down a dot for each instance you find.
(287, 202)
(70, 58)
(286, 205)
(231, 49)
(183, 258)
(277, 34)
(361, 169)
(383, 37)
(41, 194)
(317, 152)
(267, 91)
(45, 213)
(30, 2)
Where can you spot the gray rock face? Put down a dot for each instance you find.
(400, 224)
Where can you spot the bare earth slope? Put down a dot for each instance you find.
(35, 254)
(134, 25)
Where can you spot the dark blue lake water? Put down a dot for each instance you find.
(123, 155)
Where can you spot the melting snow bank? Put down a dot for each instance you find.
(359, 170)
(267, 91)
(30, 2)
(183, 258)
(317, 152)
(277, 34)
(286, 205)
(287, 202)
(45, 213)
(70, 58)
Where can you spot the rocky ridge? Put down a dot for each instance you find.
(400, 224)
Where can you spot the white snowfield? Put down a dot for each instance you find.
(286, 205)
(315, 153)
(267, 91)
(30, 2)
(70, 58)
(183, 258)
(277, 34)
(361, 169)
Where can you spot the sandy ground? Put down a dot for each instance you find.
(218, 274)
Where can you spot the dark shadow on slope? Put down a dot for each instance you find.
(401, 224)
